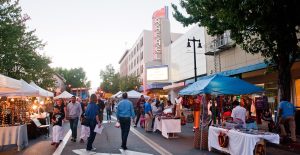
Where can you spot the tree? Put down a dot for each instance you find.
(18, 48)
(75, 77)
(110, 79)
(112, 82)
(128, 83)
(269, 27)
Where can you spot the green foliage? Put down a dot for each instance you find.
(75, 77)
(268, 27)
(18, 48)
(128, 83)
(112, 82)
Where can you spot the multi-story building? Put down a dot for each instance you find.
(150, 52)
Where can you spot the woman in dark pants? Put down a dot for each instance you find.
(91, 114)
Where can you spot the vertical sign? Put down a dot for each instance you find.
(157, 31)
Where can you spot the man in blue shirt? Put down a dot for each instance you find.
(91, 114)
(148, 115)
(125, 112)
(286, 114)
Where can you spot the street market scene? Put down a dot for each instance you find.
(144, 77)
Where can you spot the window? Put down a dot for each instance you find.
(141, 56)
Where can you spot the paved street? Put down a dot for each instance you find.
(140, 142)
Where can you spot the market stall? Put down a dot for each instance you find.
(168, 126)
(14, 135)
(17, 106)
(64, 95)
(8, 84)
(240, 141)
(218, 85)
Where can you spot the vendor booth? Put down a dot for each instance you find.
(17, 106)
(225, 136)
(64, 94)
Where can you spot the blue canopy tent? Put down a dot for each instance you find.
(220, 85)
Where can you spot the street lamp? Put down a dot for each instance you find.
(194, 45)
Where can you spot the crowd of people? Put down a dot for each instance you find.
(143, 112)
(88, 111)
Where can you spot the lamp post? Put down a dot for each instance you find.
(194, 45)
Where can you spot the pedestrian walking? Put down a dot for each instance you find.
(287, 115)
(85, 129)
(57, 126)
(108, 108)
(148, 116)
(92, 116)
(63, 110)
(125, 112)
(73, 113)
(139, 109)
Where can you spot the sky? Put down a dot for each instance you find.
(92, 33)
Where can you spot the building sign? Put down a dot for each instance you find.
(158, 73)
(157, 31)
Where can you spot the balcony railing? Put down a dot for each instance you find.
(219, 44)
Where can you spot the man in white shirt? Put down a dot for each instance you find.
(239, 113)
(73, 113)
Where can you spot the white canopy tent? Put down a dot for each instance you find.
(8, 84)
(64, 94)
(42, 92)
(25, 90)
(117, 94)
(133, 94)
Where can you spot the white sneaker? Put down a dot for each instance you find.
(93, 149)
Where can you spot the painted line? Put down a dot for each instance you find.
(62, 145)
(151, 143)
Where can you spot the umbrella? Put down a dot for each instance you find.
(220, 85)
(64, 94)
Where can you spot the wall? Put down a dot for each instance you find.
(182, 58)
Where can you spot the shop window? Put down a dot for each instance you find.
(297, 87)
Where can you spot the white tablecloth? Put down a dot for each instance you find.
(239, 143)
(167, 126)
(14, 135)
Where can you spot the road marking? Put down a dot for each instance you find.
(123, 152)
(151, 143)
(62, 145)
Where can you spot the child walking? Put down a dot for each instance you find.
(57, 123)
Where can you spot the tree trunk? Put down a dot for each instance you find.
(284, 77)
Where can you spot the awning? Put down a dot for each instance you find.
(155, 85)
(234, 71)
(173, 85)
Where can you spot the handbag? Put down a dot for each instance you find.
(117, 125)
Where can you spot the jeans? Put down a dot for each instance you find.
(138, 115)
(125, 127)
(73, 126)
(91, 138)
(108, 115)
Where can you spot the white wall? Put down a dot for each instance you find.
(182, 57)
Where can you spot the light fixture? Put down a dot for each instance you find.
(199, 45)
(188, 44)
